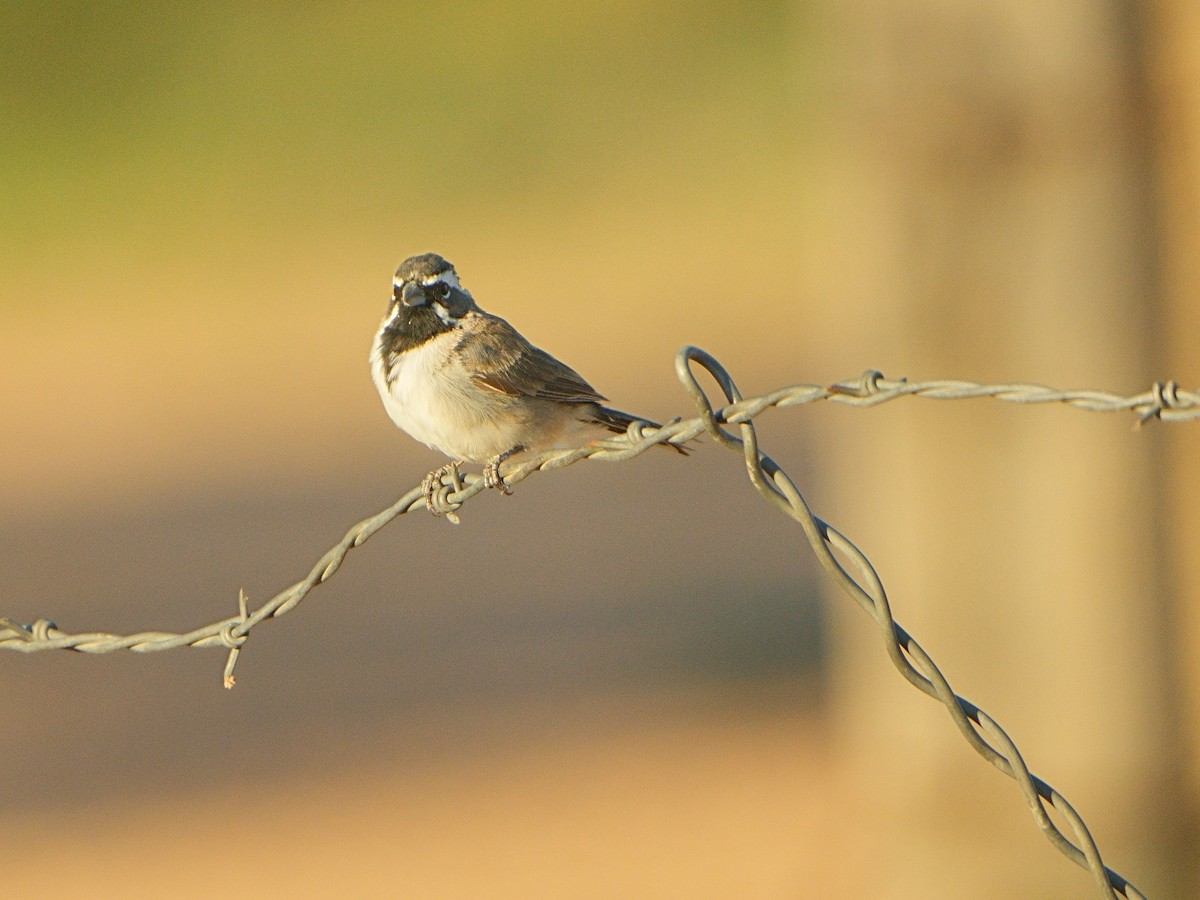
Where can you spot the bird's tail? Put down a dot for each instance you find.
(618, 423)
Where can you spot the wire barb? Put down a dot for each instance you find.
(1165, 402)
(233, 635)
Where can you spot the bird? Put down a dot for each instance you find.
(469, 385)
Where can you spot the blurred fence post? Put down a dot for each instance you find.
(1004, 221)
(1173, 51)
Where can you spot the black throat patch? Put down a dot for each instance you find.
(412, 327)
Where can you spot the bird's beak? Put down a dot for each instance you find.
(413, 294)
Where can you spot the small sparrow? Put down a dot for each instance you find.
(469, 385)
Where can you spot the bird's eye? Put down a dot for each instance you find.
(443, 290)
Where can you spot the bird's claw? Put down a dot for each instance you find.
(431, 484)
(492, 477)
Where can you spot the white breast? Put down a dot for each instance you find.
(437, 403)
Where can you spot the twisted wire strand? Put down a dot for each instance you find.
(774, 485)
(1163, 401)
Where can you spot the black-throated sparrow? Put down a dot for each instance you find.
(468, 384)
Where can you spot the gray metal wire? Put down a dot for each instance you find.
(1163, 401)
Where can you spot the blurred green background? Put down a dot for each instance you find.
(626, 680)
(223, 134)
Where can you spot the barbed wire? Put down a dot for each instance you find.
(1163, 401)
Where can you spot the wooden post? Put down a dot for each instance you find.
(995, 193)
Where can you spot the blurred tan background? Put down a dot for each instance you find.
(623, 681)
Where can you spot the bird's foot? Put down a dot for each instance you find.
(492, 477)
(491, 472)
(435, 501)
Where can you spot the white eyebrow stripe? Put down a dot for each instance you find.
(448, 277)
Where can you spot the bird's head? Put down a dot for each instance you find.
(430, 281)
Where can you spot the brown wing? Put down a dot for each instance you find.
(500, 360)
